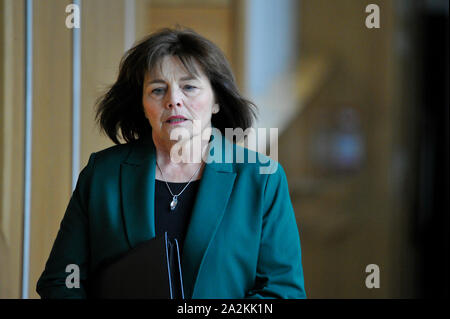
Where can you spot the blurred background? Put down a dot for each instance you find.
(362, 115)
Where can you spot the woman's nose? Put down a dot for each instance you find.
(174, 98)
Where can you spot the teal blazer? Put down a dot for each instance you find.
(242, 240)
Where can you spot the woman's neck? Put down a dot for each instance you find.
(180, 162)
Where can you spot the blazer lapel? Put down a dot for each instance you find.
(137, 180)
(211, 200)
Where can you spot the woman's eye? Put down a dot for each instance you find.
(188, 87)
(158, 91)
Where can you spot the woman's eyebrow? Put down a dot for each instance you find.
(155, 81)
(185, 78)
(188, 78)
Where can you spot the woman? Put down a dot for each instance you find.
(174, 97)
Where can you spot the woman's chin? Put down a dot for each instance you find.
(178, 133)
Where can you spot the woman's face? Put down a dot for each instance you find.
(172, 91)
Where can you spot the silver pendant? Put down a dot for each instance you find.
(174, 203)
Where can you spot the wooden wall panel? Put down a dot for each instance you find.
(102, 45)
(215, 23)
(52, 130)
(142, 23)
(11, 145)
(348, 221)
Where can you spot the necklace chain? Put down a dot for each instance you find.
(175, 197)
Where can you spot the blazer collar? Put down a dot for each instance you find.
(138, 195)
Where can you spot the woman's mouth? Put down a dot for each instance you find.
(175, 121)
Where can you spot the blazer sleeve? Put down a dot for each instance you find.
(279, 270)
(71, 245)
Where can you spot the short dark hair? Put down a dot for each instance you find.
(120, 109)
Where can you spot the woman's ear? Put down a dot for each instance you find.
(216, 108)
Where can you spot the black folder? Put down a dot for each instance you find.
(151, 270)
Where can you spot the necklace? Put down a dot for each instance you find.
(174, 202)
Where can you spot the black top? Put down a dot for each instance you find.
(175, 222)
